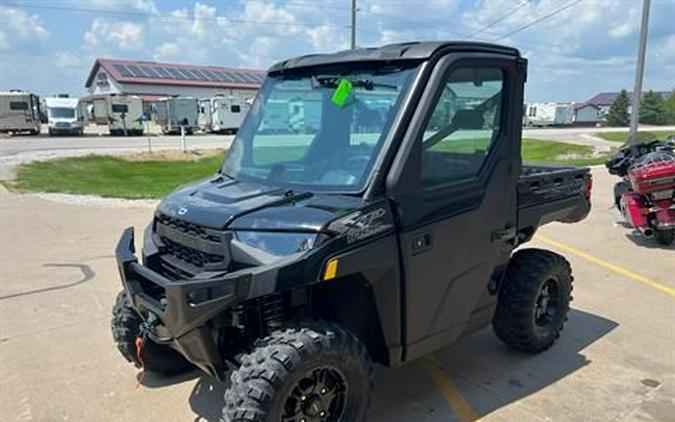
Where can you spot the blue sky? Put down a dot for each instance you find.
(48, 46)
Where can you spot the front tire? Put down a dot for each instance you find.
(318, 373)
(157, 358)
(665, 237)
(534, 300)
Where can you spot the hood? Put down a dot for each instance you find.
(223, 203)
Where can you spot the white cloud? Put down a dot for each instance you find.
(18, 28)
(326, 39)
(167, 50)
(664, 52)
(114, 35)
(587, 48)
(67, 60)
(147, 6)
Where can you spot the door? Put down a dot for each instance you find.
(454, 185)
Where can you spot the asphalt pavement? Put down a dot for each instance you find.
(17, 150)
(615, 360)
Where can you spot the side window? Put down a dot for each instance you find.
(18, 105)
(120, 108)
(463, 126)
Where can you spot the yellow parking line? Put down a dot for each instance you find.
(450, 392)
(607, 265)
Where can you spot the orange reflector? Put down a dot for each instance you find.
(331, 269)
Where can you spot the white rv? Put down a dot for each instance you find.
(204, 115)
(64, 116)
(121, 113)
(549, 114)
(172, 113)
(19, 112)
(227, 113)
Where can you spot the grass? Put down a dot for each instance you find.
(643, 136)
(144, 176)
(560, 153)
(111, 176)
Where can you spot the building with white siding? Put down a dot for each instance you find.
(152, 80)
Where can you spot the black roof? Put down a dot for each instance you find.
(393, 52)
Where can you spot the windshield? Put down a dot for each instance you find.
(62, 113)
(320, 131)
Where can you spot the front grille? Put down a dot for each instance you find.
(188, 254)
(187, 249)
(62, 124)
(189, 228)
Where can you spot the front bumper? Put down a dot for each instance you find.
(70, 130)
(182, 309)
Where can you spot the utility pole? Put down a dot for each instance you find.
(353, 27)
(639, 73)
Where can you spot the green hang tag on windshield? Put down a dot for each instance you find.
(342, 92)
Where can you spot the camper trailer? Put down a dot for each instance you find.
(549, 114)
(19, 112)
(173, 113)
(204, 116)
(227, 113)
(122, 114)
(64, 116)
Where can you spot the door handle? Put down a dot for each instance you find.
(421, 243)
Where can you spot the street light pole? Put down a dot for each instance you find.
(353, 27)
(639, 73)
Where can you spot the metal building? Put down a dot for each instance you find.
(152, 80)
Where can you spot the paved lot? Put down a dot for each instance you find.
(584, 135)
(20, 149)
(615, 360)
(24, 144)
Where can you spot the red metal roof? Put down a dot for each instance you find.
(149, 98)
(154, 73)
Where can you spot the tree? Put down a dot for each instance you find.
(670, 108)
(652, 109)
(618, 111)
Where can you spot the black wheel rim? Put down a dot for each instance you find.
(547, 304)
(319, 396)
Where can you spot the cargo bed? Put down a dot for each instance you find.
(548, 193)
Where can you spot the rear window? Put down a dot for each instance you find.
(18, 105)
(120, 108)
(235, 109)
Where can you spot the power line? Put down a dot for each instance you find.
(536, 21)
(546, 48)
(308, 5)
(503, 18)
(160, 16)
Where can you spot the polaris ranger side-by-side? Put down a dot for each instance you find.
(382, 235)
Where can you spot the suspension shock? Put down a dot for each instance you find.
(272, 308)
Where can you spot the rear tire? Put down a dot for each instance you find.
(665, 237)
(296, 374)
(619, 189)
(534, 300)
(157, 358)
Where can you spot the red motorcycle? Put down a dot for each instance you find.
(645, 196)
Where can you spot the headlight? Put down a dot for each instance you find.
(277, 243)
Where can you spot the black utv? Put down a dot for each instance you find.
(367, 210)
